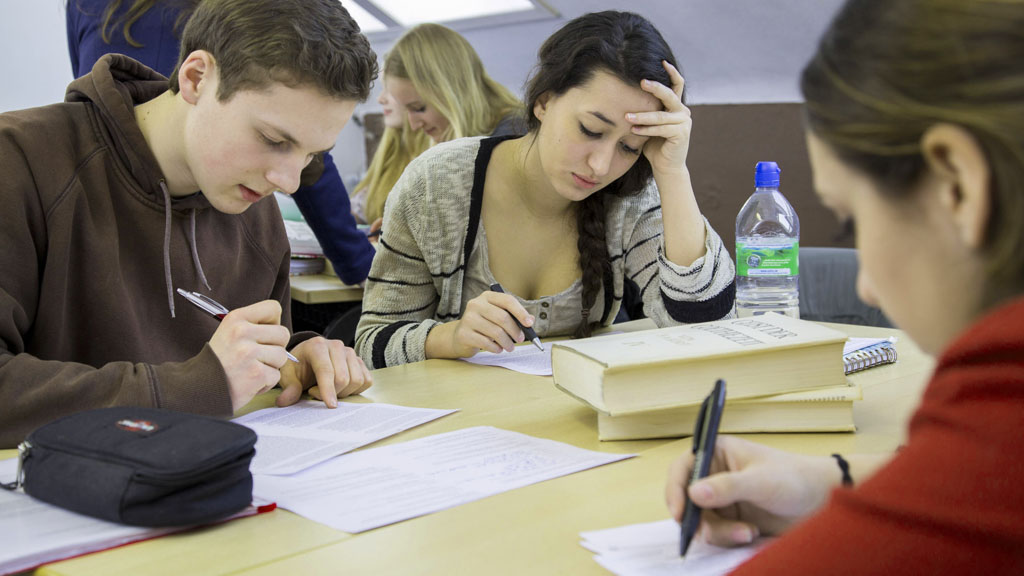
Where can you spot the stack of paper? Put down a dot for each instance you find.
(35, 533)
(307, 254)
(652, 549)
(289, 439)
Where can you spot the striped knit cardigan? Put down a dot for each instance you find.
(430, 224)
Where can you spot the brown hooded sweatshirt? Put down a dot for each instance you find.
(90, 252)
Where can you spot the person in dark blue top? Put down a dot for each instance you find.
(148, 31)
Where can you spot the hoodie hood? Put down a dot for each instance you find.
(115, 86)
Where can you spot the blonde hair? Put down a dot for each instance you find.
(448, 74)
(398, 147)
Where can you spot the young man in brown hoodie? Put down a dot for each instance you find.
(135, 186)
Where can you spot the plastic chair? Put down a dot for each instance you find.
(828, 293)
(343, 327)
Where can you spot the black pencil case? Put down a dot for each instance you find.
(141, 466)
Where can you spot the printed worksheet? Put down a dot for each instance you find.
(296, 437)
(526, 359)
(652, 549)
(381, 486)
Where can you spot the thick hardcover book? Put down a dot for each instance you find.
(676, 366)
(821, 410)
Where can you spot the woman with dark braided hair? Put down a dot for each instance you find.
(560, 217)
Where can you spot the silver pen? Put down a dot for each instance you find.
(214, 308)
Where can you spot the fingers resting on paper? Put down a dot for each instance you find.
(327, 368)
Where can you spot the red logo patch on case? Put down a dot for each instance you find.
(136, 425)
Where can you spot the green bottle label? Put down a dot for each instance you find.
(766, 258)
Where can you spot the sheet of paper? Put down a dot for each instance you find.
(854, 344)
(526, 359)
(36, 533)
(381, 486)
(304, 434)
(652, 549)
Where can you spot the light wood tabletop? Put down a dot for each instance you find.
(323, 289)
(531, 530)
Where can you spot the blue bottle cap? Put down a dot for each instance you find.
(766, 175)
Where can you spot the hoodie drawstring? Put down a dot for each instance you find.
(195, 250)
(167, 247)
(191, 233)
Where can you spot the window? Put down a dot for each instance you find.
(387, 19)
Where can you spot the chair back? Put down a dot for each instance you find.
(828, 288)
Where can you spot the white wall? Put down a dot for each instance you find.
(731, 51)
(34, 68)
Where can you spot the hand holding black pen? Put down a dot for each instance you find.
(527, 331)
(705, 435)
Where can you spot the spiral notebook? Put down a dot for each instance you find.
(864, 353)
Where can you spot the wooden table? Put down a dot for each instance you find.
(531, 530)
(323, 289)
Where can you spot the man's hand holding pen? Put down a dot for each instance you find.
(250, 344)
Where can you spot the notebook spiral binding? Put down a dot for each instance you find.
(882, 353)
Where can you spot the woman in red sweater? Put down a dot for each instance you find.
(915, 115)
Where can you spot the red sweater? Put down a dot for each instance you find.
(952, 500)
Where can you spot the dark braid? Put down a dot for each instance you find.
(591, 242)
(593, 255)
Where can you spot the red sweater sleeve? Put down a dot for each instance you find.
(952, 501)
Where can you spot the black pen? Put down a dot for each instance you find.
(528, 332)
(704, 436)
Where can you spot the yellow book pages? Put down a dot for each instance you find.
(821, 410)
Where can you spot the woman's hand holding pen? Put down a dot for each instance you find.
(374, 232)
(327, 368)
(752, 490)
(250, 344)
(486, 324)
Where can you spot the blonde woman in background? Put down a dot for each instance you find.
(399, 144)
(438, 88)
(438, 80)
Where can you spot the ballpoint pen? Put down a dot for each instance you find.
(214, 308)
(528, 332)
(705, 434)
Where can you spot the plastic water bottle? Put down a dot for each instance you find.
(767, 249)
